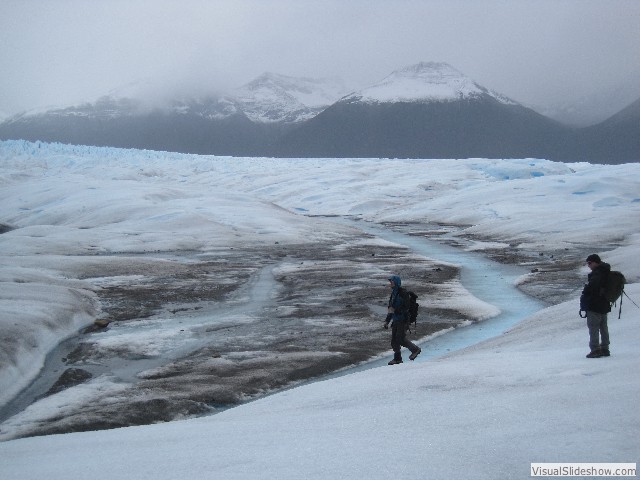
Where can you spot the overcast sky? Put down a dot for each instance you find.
(63, 52)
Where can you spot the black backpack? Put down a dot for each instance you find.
(410, 306)
(614, 288)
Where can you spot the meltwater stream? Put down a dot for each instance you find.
(490, 281)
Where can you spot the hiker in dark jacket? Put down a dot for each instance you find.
(399, 322)
(597, 306)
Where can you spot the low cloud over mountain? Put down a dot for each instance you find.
(428, 110)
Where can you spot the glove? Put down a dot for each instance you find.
(386, 325)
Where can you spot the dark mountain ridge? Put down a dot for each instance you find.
(195, 129)
(428, 110)
(616, 140)
(479, 127)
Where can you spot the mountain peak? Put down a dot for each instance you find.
(424, 82)
(274, 97)
(428, 69)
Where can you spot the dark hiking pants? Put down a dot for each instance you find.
(598, 330)
(399, 339)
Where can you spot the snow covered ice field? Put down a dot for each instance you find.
(488, 411)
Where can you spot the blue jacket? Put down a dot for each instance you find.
(395, 300)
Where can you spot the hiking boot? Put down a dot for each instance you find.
(604, 352)
(395, 362)
(594, 354)
(415, 354)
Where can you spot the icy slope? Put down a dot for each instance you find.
(485, 413)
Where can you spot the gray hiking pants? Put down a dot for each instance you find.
(399, 339)
(598, 330)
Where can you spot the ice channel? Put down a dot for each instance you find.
(490, 281)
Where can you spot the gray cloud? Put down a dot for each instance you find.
(60, 52)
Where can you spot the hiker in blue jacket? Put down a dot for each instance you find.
(399, 322)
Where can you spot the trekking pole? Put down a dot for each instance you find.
(624, 294)
(620, 311)
(630, 299)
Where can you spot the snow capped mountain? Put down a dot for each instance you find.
(424, 82)
(104, 107)
(208, 108)
(426, 110)
(270, 98)
(147, 96)
(279, 98)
